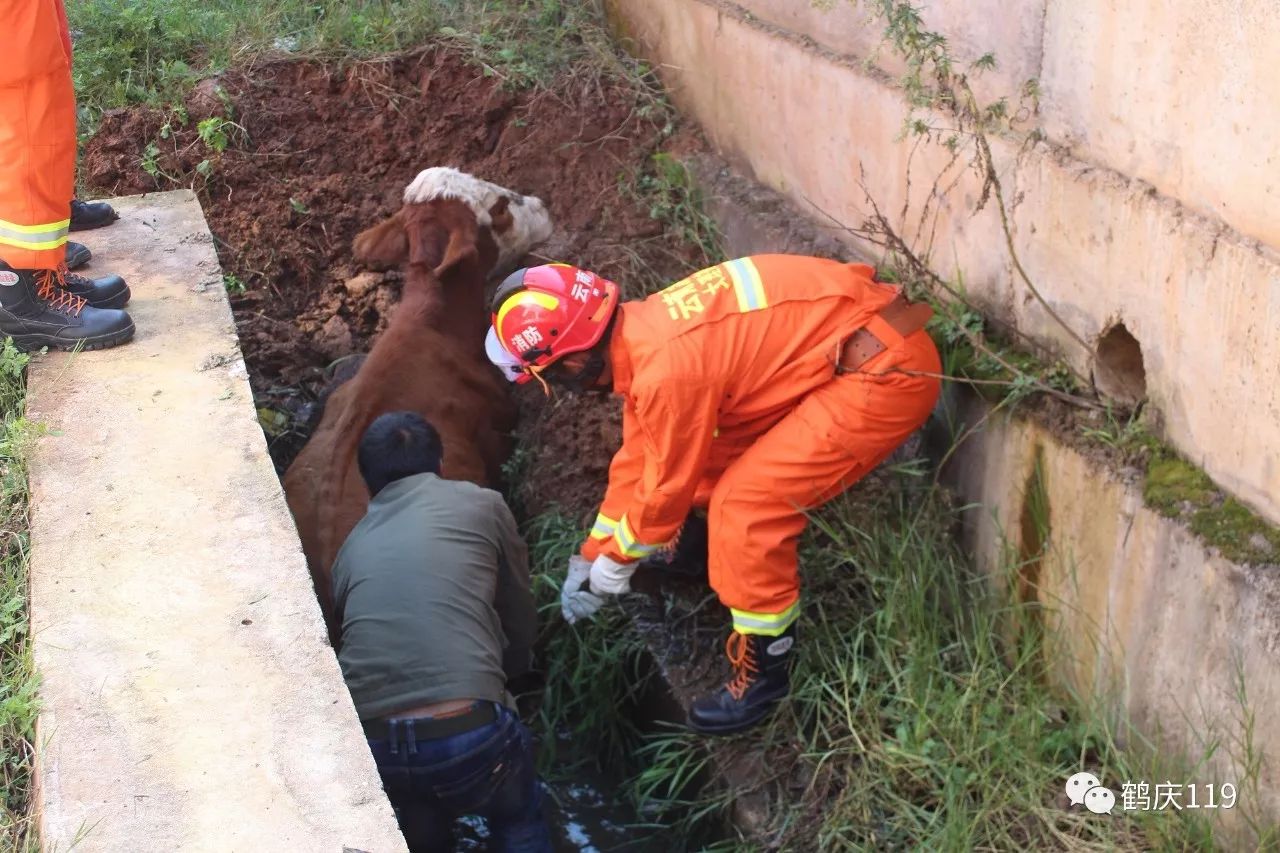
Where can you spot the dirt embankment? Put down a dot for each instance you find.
(318, 152)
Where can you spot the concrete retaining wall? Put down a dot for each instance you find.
(1141, 614)
(1145, 203)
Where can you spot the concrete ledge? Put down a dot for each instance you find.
(1142, 616)
(190, 699)
(1198, 296)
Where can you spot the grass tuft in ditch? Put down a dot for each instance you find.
(18, 703)
(594, 667)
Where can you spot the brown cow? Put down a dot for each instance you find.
(452, 232)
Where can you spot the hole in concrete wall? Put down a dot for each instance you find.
(1119, 372)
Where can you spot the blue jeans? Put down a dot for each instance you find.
(488, 771)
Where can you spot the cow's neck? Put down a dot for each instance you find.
(454, 306)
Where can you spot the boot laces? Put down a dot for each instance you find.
(742, 654)
(51, 286)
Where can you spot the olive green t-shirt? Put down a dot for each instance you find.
(432, 589)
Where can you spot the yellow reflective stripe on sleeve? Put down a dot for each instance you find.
(627, 544)
(747, 285)
(766, 624)
(604, 527)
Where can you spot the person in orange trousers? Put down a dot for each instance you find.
(759, 389)
(40, 304)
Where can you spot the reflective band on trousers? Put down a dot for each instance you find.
(604, 527)
(627, 544)
(768, 624)
(34, 237)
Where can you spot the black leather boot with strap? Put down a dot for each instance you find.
(60, 320)
(761, 679)
(686, 555)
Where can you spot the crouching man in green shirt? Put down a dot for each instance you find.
(432, 590)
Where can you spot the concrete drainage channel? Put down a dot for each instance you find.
(283, 204)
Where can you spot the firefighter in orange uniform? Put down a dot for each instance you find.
(757, 389)
(40, 303)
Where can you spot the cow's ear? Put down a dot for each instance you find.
(385, 244)
(461, 247)
(500, 218)
(442, 245)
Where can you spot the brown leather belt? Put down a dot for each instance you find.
(395, 729)
(902, 316)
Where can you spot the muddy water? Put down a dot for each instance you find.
(585, 818)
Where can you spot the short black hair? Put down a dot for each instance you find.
(398, 445)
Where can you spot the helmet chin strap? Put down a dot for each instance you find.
(589, 375)
(583, 379)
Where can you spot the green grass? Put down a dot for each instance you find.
(919, 718)
(674, 198)
(594, 666)
(152, 51)
(17, 676)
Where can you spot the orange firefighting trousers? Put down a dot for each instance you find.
(836, 434)
(37, 134)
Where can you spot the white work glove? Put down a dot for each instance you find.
(576, 601)
(609, 577)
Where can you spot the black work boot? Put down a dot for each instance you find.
(91, 214)
(45, 315)
(78, 255)
(108, 291)
(761, 679)
(686, 555)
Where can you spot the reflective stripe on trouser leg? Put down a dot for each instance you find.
(768, 624)
(830, 440)
(37, 169)
(35, 237)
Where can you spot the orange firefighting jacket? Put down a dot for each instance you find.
(713, 362)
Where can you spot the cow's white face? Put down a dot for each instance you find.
(528, 224)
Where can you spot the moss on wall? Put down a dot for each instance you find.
(1177, 489)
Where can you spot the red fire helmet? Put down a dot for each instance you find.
(541, 314)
